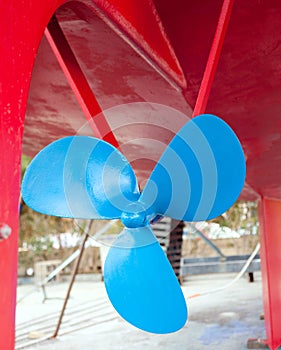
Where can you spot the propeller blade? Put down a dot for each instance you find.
(79, 177)
(200, 174)
(141, 284)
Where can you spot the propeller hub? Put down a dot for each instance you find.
(134, 216)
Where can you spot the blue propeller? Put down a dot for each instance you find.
(198, 177)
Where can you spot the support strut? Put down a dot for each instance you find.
(78, 82)
(270, 236)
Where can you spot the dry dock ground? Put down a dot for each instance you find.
(223, 320)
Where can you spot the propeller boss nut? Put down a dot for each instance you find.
(134, 216)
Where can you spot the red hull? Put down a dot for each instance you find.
(161, 61)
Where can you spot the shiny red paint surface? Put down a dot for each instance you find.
(270, 222)
(140, 20)
(21, 28)
(246, 91)
(144, 61)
